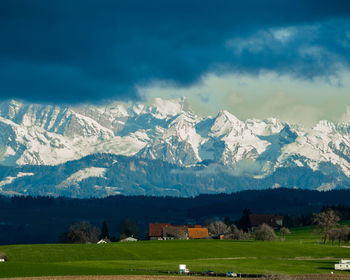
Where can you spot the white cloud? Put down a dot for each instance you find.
(346, 116)
(262, 96)
(283, 34)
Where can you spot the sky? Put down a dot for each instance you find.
(257, 59)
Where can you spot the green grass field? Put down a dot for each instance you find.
(301, 253)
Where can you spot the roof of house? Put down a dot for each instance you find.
(259, 219)
(156, 229)
(104, 240)
(187, 226)
(129, 239)
(198, 232)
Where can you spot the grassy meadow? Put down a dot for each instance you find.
(300, 253)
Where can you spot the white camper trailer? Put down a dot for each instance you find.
(342, 265)
(183, 269)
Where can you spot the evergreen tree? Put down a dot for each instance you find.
(244, 222)
(104, 231)
(228, 221)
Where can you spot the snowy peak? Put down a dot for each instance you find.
(9, 109)
(265, 127)
(168, 130)
(325, 126)
(226, 123)
(227, 116)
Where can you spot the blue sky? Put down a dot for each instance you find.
(287, 59)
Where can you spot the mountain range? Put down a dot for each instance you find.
(162, 148)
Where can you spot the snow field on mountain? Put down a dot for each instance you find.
(166, 130)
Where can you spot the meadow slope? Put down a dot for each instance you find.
(301, 253)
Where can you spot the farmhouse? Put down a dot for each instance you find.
(273, 221)
(156, 231)
(169, 231)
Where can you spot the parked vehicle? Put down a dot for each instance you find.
(183, 269)
(231, 274)
(342, 265)
(209, 272)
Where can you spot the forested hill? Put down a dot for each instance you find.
(42, 219)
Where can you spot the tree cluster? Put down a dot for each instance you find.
(340, 234)
(218, 228)
(283, 232)
(235, 233)
(325, 222)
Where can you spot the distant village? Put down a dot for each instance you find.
(167, 231)
(214, 230)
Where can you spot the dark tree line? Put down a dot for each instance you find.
(84, 232)
(42, 219)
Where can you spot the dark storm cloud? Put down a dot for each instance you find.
(76, 51)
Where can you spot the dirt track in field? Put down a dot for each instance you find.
(151, 277)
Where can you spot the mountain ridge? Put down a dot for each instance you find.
(169, 131)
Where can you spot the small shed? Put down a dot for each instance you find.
(104, 241)
(129, 239)
(3, 257)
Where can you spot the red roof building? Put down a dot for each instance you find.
(166, 231)
(156, 230)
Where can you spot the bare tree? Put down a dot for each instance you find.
(265, 232)
(217, 228)
(81, 232)
(334, 234)
(344, 234)
(325, 221)
(175, 232)
(237, 234)
(283, 232)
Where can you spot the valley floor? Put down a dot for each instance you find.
(301, 255)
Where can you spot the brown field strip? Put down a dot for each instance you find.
(157, 277)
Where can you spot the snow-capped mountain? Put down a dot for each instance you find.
(167, 130)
